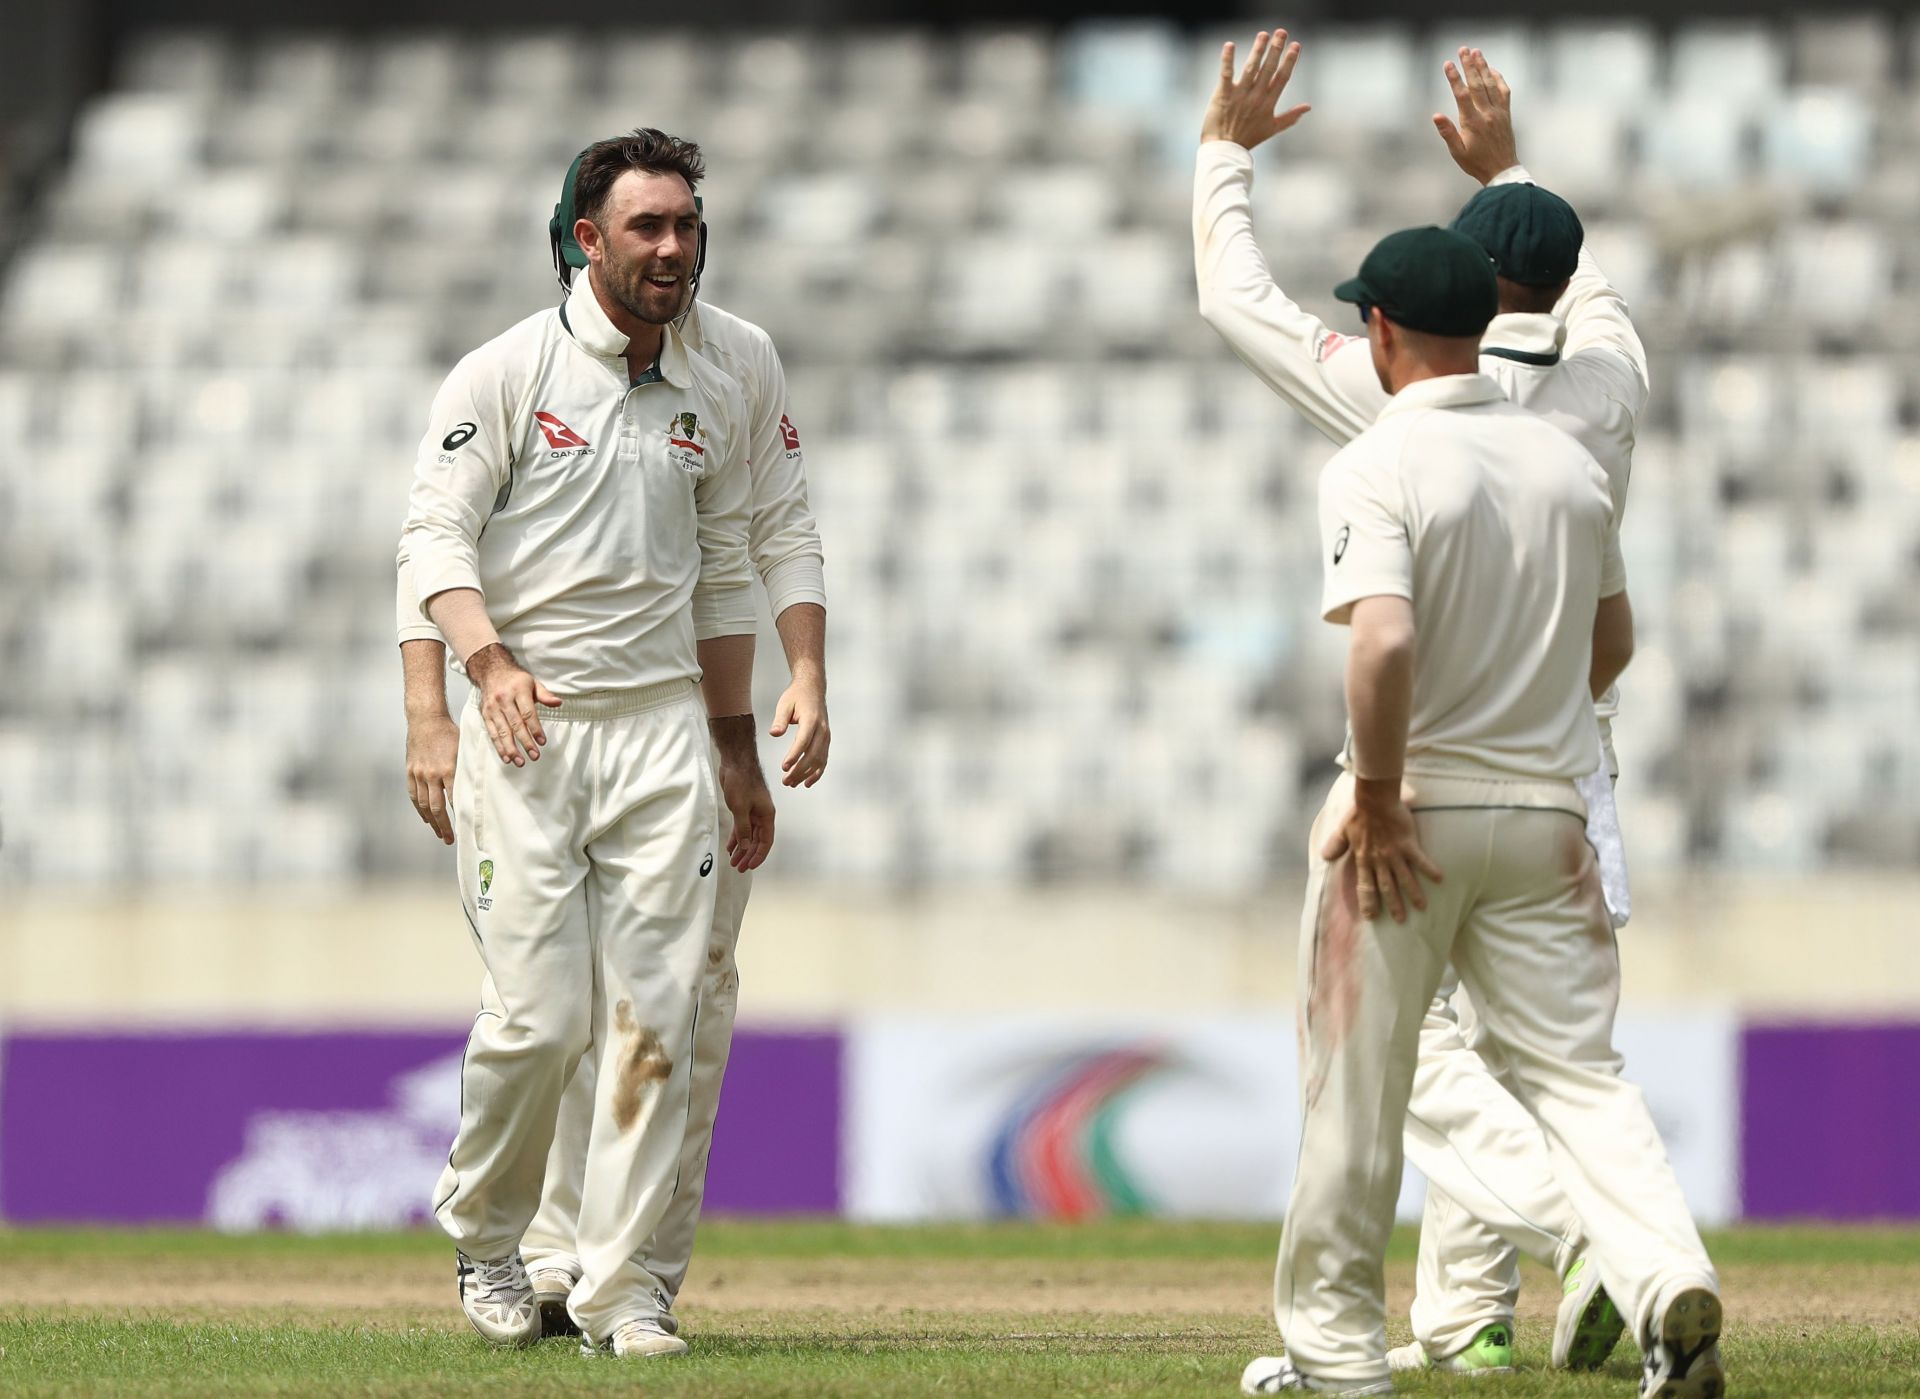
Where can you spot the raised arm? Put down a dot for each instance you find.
(1328, 377)
(1481, 141)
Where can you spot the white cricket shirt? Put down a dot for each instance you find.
(605, 523)
(782, 540)
(1498, 528)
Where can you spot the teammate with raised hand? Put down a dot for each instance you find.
(1564, 347)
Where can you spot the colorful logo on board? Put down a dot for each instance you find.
(1056, 1154)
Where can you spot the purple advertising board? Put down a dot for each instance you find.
(1830, 1121)
(338, 1129)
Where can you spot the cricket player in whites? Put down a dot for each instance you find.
(1469, 546)
(1563, 347)
(785, 549)
(578, 534)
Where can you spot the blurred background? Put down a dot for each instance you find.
(1083, 707)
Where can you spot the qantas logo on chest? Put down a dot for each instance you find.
(559, 435)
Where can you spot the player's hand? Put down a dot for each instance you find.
(509, 703)
(1244, 112)
(433, 749)
(1379, 834)
(1481, 142)
(803, 708)
(744, 789)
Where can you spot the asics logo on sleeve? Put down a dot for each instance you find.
(1340, 543)
(462, 434)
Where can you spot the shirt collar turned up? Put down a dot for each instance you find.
(595, 333)
(1526, 337)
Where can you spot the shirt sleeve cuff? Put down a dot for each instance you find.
(723, 612)
(432, 579)
(798, 579)
(1515, 174)
(419, 631)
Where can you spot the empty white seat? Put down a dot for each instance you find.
(1819, 139)
(1613, 63)
(1739, 65)
(1122, 66)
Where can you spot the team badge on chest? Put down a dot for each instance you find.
(687, 443)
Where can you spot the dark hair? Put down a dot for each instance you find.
(646, 148)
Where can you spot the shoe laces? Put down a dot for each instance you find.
(496, 1279)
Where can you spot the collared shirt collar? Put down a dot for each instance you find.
(584, 319)
(1525, 336)
(1447, 391)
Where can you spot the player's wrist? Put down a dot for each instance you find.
(1375, 792)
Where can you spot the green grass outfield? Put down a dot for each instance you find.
(820, 1308)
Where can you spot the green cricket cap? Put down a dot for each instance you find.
(561, 228)
(1428, 279)
(1532, 234)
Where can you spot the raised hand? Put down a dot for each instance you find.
(1245, 112)
(1481, 142)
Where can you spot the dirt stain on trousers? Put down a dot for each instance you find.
(643, 1062)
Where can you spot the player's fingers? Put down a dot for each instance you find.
(1290, 116)
(1449, 133)
(1389, 890)
(1456, 82)
(1256, 59)
(1409, 882)
(496, 730)
(437, 804)
(1335, 845)
(1283, 71)
(1425, 864)
(1477, 81)
(545, 696)
(530, 721)
(1226, 63)
(784, 713)
(518, 737)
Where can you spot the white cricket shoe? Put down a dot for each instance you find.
(1683, 1359)
(551, 1288)
(1275, 1374)
(498, 1299)
(644, 1337)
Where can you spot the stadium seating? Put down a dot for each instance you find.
(1070, 541)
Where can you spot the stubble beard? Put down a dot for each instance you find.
(630, 288)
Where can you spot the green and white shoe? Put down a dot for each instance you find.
(1588, 1326)
(1490, 1352)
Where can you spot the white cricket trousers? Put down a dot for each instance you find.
(588, 879)
(1491, 1193)
(665, 1257)
(1521, 915)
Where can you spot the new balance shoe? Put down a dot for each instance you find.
(1588, 1325)
(1683, 1359)
(1275, 1374)
(1490, 1352)
(641, 1338)
(551, 1288)
(498, 1299)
